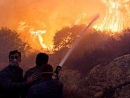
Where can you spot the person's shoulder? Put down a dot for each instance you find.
(58, 82)
(37, 90)
(5, 69)
(31, 69)
(32, 90)
(35, 87)
(5, 72)
(54, 81)
(35, 69)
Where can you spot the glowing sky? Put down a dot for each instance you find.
(46, 15)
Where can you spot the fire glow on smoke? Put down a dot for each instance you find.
(116, 17)
(38, 21)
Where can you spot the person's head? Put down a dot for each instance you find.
(46, 71)
(15, 54)
(41, 59)
(14, 58)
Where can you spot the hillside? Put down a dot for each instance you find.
(110, 80)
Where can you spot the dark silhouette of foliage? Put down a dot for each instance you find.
(66, 36)
(9, 40)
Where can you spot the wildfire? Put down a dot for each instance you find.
(40, 32)
(117, 16)
(34, 37)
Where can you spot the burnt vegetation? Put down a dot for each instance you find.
(95, 47)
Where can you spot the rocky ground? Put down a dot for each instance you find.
(110, 81)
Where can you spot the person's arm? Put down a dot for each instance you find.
(27, 74)
(29, 82)
(8, 84)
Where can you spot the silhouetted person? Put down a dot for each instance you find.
(41, 59)
(47, 87)
(11, 78)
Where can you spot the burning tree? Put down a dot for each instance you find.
(66, 36)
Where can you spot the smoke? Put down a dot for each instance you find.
(54, 13)
(51, 16)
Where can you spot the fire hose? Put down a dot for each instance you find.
(58, 68)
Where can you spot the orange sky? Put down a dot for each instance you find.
(49, 15)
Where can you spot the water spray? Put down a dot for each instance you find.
(58, 68)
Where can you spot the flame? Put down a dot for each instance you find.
(115, 20)
(38, 33)
(34, 37)
(38, 22)
(117, 16)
